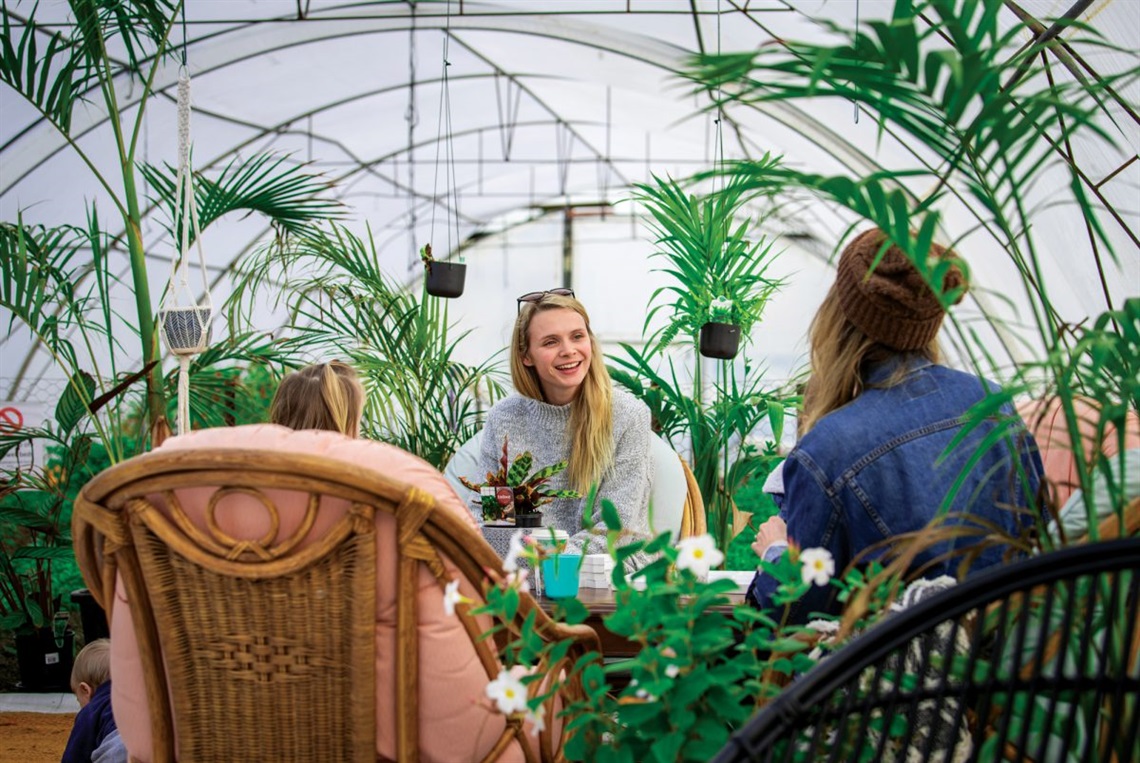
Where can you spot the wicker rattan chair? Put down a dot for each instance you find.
(269, 645)
(1035, 661)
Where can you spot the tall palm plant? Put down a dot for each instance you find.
(56, 283)
(710, 256)
(988, 107)
(75, 65)
(341, 304)
(944, 74)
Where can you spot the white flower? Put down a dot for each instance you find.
(672, 671)
(699, 554)
(537, 719)
(517, 547)
(818, 565)
(643, 694)
(508, 693)
(451, 597)
(517, 579)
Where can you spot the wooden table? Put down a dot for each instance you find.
(600, 602)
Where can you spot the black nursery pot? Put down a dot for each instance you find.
(533, 519)
(720, 340)
(446, 279)
(45, 663)
(91, 615)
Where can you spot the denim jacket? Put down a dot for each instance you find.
(879, 467)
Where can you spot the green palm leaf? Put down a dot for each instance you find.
(266, 183)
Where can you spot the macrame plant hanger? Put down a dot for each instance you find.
(184, 320)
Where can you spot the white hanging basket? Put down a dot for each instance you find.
(185, 330)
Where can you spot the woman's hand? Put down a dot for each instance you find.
(774, 530)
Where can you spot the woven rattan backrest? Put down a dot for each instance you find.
(269, 645)
(976, 673)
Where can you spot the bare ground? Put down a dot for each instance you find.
(33, 737)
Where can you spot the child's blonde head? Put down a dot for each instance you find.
(92, 669)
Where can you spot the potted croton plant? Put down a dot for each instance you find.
(720, 335)
(443, 279)
(514, 493)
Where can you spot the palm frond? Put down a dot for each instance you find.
(267, 183)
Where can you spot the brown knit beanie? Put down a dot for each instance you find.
(892, 305)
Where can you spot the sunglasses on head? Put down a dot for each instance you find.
(536, 296)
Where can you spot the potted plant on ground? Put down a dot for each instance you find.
(443, 279)
(36, 559)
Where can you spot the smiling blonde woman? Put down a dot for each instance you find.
(566, 409)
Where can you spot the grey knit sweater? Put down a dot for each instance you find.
(543, 430)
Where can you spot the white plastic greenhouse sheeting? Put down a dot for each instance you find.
(553, 101)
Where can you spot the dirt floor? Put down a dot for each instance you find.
(33, 737)
(28, 737)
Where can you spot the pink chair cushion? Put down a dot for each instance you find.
(452, 681)
(1046, 421)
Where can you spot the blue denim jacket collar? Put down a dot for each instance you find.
(876, 373)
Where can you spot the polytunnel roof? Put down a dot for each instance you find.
(556, 108)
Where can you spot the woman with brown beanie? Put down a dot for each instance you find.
(873, 461)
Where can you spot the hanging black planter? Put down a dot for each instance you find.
(445, 279)
(720, 340)
(44, 660)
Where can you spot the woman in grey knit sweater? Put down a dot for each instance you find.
(566, 409)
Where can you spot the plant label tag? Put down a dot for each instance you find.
(506, 498)
(51, 658)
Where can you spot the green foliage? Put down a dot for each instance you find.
(265, 183)
(37, 565)
(717, 429)
(341, 304)
(718, 266)
(709, 256)
(530, 491)
(971, 92)
(701, 671)
(57, 281)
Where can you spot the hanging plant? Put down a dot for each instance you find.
(184, 321)
(720, 334)
(443, 279)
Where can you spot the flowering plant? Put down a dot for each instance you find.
(528, 491)
(703, 668)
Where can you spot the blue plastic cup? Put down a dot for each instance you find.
(560, 575)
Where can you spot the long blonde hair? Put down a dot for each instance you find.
(321, 396)
(839, 352)
(591, 412)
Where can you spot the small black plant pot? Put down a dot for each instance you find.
(91, 615)
(44, 661)
(720, 340)
(446, 279)
(531, 519)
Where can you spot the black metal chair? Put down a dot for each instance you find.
(1038, 660)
